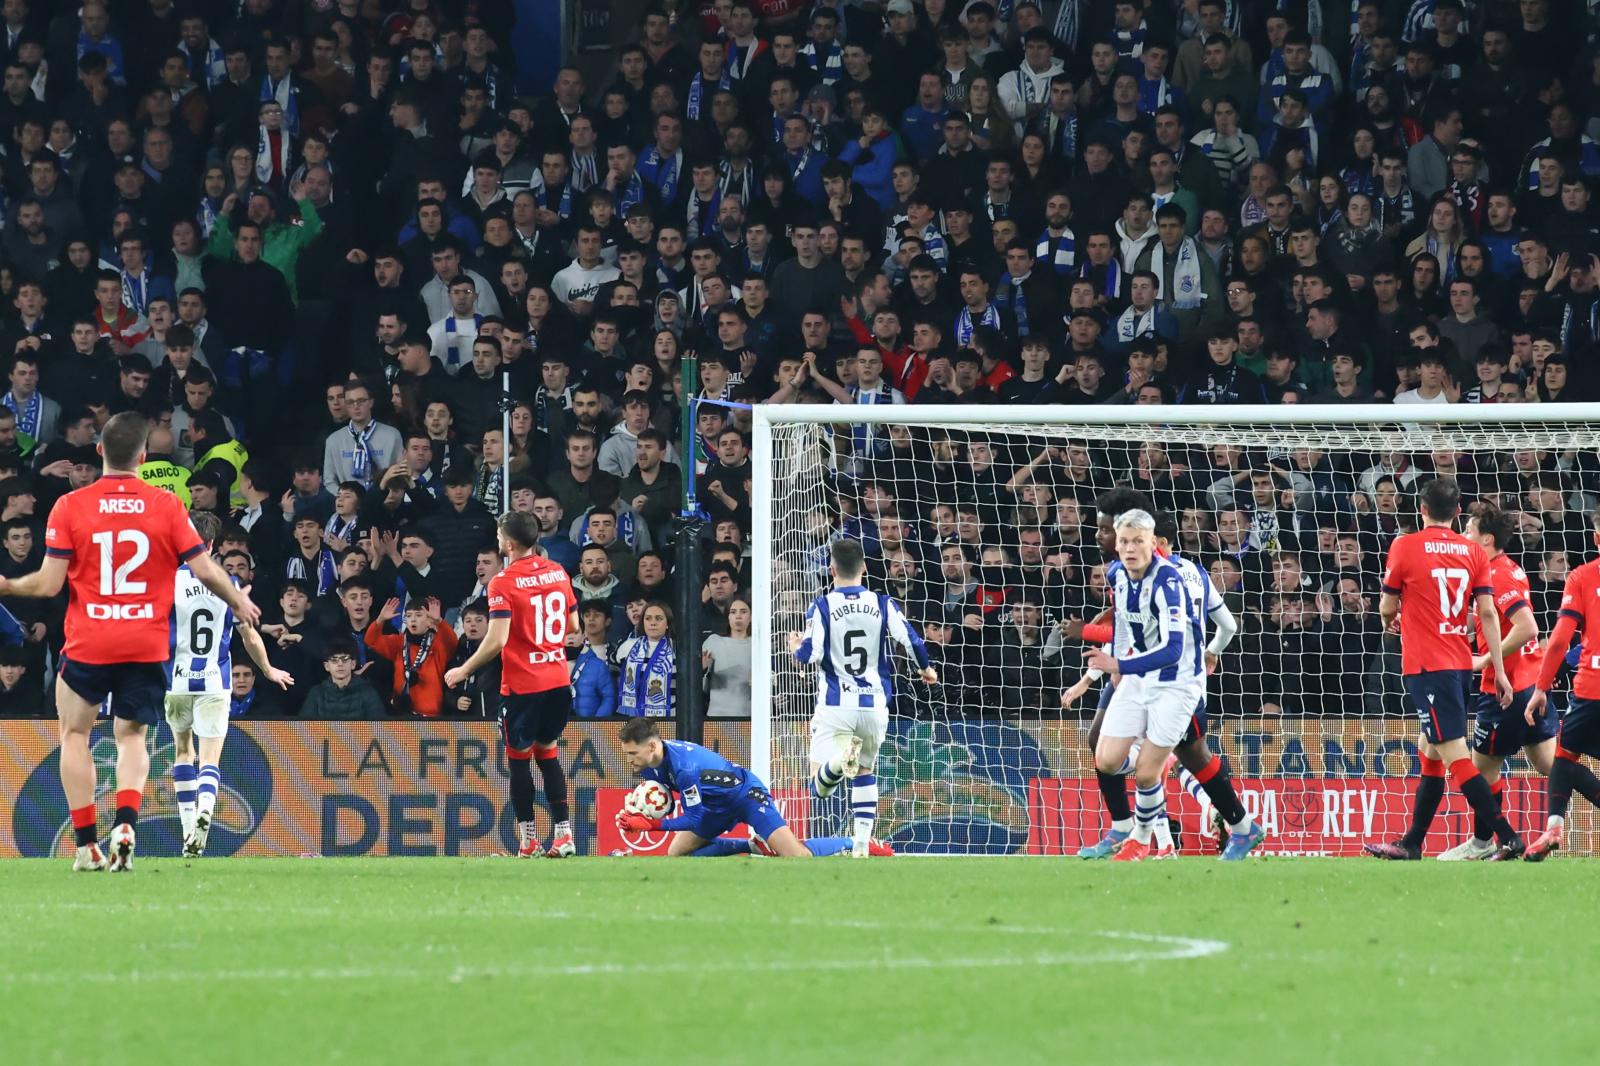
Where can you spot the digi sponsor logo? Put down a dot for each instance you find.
(120, 612)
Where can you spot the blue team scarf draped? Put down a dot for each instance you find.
(1065, 141)
(1154, 94)
(1111, 286)
(135, 290)
(1447, 263)
(647, 679)
(206, 216)
(799, 163)
(362, 459)
(701, 216)
(727, 186)
(1132, 324)
(584, 172)
(272, 163)
(736, 61)
(327, 577)
(287, 98)
(342, 529)
(664, 173)
(830, 67)
(109, 47)
(210, 69)
(697, 93)
(965, 325)
(452, 343)
(1567, 318)
(1061, 253)
(632, 194)
(1066, 27)
(1009, 293)
(1186, 293)
(28, 414)
(564, 207)
(1130, 43)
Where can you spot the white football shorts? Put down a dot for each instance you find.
(205, 714)
(832, 727)
(1158, 711)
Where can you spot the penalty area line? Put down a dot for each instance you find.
(1126, 947)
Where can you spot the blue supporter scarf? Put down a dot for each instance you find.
(287, 98)
(1009, 293)
(965, 325)
(697, 93)
(1060, 253)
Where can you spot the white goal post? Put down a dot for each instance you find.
(982, 517)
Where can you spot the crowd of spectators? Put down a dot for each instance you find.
(310, 239)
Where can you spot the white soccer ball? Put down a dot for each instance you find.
(649, 798)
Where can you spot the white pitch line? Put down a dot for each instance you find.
(1162, 949)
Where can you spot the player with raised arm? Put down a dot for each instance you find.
(115, 545)
(1579, 732)
(1157, 664)
(717, 795)
(848, 631)
(198, 687)
(1501, 732)
(531, 609)
(1432, 581)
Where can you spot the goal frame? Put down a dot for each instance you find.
(765, 417)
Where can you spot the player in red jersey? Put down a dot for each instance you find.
(116, 545)
(1579, 733)
(531, 609)
(1501, 732)
(1429, 581)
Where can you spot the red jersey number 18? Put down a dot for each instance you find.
(549, 619)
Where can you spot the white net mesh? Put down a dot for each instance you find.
(986, 534)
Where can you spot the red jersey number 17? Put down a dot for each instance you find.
(1454, 583)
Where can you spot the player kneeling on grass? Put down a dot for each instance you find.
(1159, 670)
(716, 794)
(200, 675)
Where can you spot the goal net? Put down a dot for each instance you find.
(981, 521)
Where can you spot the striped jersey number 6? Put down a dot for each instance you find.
(1453, 582)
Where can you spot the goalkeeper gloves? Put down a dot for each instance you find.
(636, 823)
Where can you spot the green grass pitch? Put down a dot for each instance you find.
(904, 960)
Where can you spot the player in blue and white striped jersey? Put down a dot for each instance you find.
(199, 680)
(1157, 662)
(848, 634)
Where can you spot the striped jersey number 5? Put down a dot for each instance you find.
(549, 619)
(114, 580)
(855, 652)
(1453, 582)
